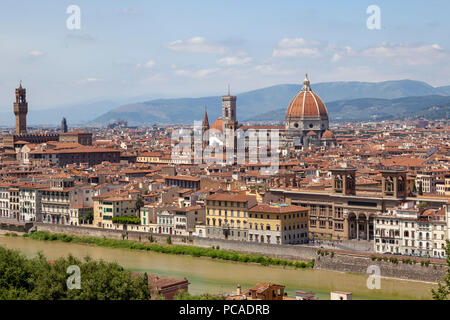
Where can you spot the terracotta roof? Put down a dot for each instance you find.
(306, 104)
(230, 197)
(266, 208)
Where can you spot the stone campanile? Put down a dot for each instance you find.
(229, 112)
(21, 110)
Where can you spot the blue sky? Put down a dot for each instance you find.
(195, 48)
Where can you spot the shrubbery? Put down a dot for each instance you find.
(126, 220)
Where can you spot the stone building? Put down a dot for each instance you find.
(343, 213)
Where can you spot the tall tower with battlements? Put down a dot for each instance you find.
(21, 110)
(229, 112)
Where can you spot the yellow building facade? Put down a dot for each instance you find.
(278, 224)
(227, 215)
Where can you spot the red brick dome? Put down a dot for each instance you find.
(218, 125)
(306, 104)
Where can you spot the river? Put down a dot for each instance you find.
(216, 276)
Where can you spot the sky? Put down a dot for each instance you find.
(196, 48)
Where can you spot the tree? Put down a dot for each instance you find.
(87, 218)
(139, 203)
(443, 289)
(420, 192)
(37, 279)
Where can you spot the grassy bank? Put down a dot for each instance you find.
(171, 249)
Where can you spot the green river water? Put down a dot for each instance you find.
(216, 276)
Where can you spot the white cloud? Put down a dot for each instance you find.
(271, 69)
(36, 53)
(197, 44)
(297, 47)
(149, 64)
(131, 11)
(152, 79)
(336, 57)
(88, 80)
(401, 54)
(234, 61)
(197, 74)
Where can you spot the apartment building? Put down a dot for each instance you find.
(4, 200)
(56, 200)
(426, 183)
(30, 203)
(186, 218)
(14, 207)
(409, 230)
(278, 224)
(109, 206)
(165, 222)
(227, 215)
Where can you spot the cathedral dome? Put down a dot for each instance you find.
(306, 104)
(217, 125)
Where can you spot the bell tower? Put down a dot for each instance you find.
(229, 112)
(344, 180)
(21, 110)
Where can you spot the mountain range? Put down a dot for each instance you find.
(345, 100)
(253, 105)
(432, 107)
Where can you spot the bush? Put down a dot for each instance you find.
(126, 220)
(169, 240)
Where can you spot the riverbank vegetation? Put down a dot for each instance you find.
(171, 249)
(183, 295)
(39, 279)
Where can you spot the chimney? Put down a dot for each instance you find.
(238, 291)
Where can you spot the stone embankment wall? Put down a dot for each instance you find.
(360, 264)
(344, 262)
(278, 251)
